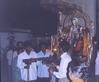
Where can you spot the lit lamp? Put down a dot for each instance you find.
(55, 50)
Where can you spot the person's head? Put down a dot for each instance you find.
(64, 46)
(75, 62)
(75, 21)
(43, 46)
(19, 47)
(28, 46)
(19, 44)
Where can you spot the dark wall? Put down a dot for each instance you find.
(15, 13)
(27, 14)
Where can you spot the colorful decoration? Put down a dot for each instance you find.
(77, 29)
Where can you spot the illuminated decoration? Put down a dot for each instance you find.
(55, 49)
(73, 23)
(75, 26)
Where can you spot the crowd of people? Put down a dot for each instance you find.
(27, 65)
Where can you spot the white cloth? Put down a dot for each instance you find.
(42, 68)
(11, 54)
(62, 69)
(32, 69)
(97, 64)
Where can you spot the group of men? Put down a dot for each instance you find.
(38, 70)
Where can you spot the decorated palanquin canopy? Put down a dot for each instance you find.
(75, 26)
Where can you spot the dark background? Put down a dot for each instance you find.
(27, 14)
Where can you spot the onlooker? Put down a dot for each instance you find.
(97, 66)
(28, 70)
(16, 73)
(10, 57)
(43, 74)
(75, 70)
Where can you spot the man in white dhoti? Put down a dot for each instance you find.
(65, 60)
(28, 73)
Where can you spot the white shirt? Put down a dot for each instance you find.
(11, 54)
(32, 69)
(97, 64)
(62, 69)
(43, 68)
